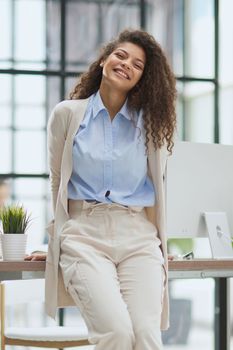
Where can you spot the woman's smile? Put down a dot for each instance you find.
(121, 73)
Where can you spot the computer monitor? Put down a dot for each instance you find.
(199, 179)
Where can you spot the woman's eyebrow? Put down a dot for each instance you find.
(138, 59)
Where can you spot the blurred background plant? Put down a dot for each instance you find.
(180, 245)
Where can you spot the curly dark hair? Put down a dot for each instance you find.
(155, 93)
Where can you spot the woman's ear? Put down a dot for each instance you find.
(101, 63)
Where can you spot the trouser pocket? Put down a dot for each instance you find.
(77, 285)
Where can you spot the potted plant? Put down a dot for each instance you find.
(15, 221)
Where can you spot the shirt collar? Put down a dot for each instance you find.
(99, 106)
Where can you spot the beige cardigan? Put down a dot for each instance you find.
(63, 124)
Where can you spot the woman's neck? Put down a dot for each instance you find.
(113, 100)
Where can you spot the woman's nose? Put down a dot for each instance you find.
(126, 65)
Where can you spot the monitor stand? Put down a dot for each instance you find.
(219, 235)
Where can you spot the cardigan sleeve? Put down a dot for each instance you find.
(56, 137)
(164, 158)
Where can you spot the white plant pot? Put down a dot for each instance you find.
(13, 246)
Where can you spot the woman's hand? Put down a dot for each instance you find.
(36, 256)
(171, 257)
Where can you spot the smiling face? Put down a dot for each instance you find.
(124, 67)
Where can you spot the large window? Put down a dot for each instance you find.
(45, 46)
(188, 31)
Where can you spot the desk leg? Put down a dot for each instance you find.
(61, 317)
(221, 321)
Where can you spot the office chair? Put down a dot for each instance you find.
(25, 291)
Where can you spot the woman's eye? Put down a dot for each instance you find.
(119, 55)
(138, 67)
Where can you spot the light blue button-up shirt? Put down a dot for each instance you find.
(109, 158)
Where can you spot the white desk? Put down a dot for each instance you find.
(200, 268)
(197, 268)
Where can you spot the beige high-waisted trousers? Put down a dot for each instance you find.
(113, 268)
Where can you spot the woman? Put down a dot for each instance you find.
(107, 151)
